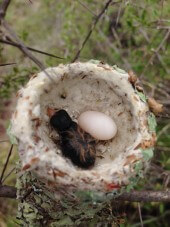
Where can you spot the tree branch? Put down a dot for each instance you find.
(155, 52)
(6, 163)
(8, 191)
(145, 196)
(6, 64)
(91, 30)
(3, 9)
(29, 48)
(24, 49)
(133, 196)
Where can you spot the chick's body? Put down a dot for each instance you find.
(76, 144)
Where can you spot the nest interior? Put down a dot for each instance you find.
(88, 92)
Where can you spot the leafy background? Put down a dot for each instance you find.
(132, 34)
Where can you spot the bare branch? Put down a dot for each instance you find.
(29, 48)
(91, 30)
(8, 191)
(81, 3)
(119, 13)
(3, 9)
(111, 45)
(140, 214)
(21, 46)
(6, 163)
(10, 172)
(6, 64)
(4, 141)
(145, 196)
(24, 49)
(133, 196)
(30, 1)
(155, 52)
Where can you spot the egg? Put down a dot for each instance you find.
(98, 125)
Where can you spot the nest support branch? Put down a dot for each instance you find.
(133, 196)
(8, 191)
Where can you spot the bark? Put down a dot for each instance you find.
(133, 196)
(8, 191)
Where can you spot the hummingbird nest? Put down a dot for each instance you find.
(76, 88)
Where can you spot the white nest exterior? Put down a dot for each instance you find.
(79, 87)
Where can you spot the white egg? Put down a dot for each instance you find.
(98, 125)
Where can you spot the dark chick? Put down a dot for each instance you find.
(76, 144)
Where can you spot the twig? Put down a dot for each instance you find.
(7, 64)
(118, 51)
(81, 3)
(161, 90)
(163, 27)
(21, 46)
(157, 54)
(164, 102)
(160, 148)
(163, 131)
(30, 1)
(29, 48)
(145, 196)
(3, 9)
(6, 163)
(163, 116)
(152, 219)
(11, 171)
(116, 36)
(156, 51)
(4, 141)
(24, 49)
(91, 30)
(8, 191)
(118, 14)
(162, 5)
(140, 214)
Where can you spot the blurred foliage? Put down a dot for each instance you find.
(131, 35)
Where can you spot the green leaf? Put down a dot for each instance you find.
(152, 122)
(147, 154)
(12, 138)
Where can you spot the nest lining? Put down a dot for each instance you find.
(76, 88)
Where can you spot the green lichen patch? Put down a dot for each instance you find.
(96, 62)
(38, 207)
(147, 154)
(138, 167)
(28, 215)
(142, 96)
(152, 122)
(133, 182)
(115, 67)
(12, 138)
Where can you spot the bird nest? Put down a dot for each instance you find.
(76, 88)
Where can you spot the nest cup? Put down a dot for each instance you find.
(76, 88)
